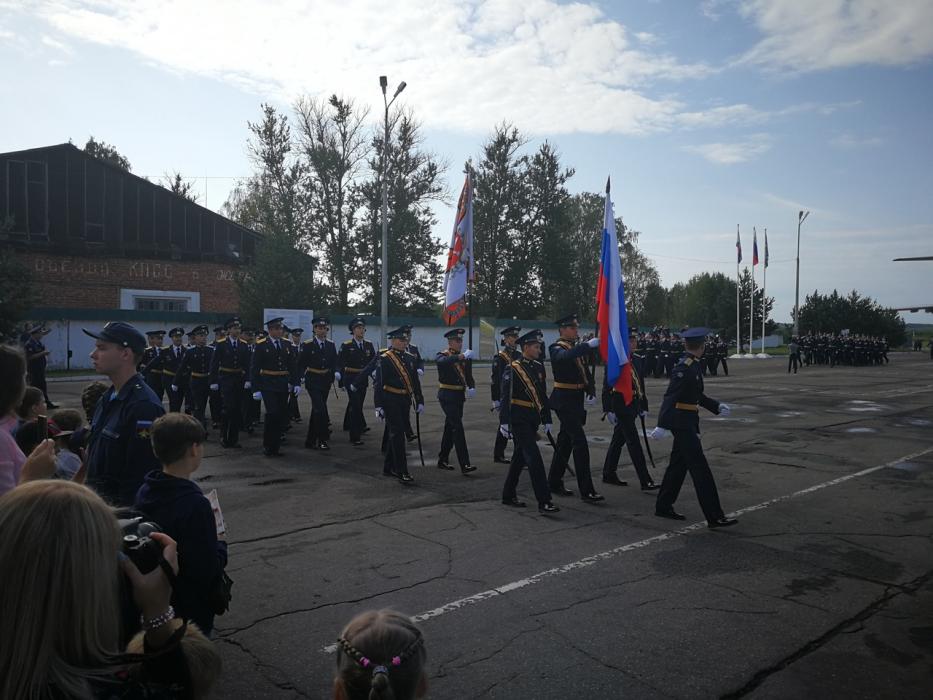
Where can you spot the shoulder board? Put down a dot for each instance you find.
(309, 340)
(348, 341)
(222, 340)
(688, 361)
(564, 344)
(384, 351)
(261, 340)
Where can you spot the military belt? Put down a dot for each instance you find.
(522, 403)
(318, 371)
(168, 372)
(199, 375)
(273, 373)
(686, 406)
(394, 390)
(351, 370)
(452, 387)
(562, 385)
(231, 370)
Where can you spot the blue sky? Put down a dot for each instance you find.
(706, 114)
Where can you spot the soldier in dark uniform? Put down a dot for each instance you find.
(215, 401)
(677, 349)
(455, 384)
(415, 352)
(150, 365)
(273, 374)
(722, 354)
(664, 353)
(622, 416)
(651, 353)
(294, 411)
(196, 367)
(500, 363)
(229, 365)
(317, 359)
(36, 361)
(396, 387)
(355, 354)
(119, 453)
(170, 361)
(679, 414)
(524, 406)
(252, 410)
(572, 379)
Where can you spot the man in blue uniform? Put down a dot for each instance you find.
(500, 363)
(215, 401)
(415, 352)
(679, 414)
(170, 361)
(273, 375)
(572, 379)
(355, 354)
(294, 411)
(622, 416)
(119, 454)
(229, 365)
(455, 384)
(317, 360)
(524, 406)
(36, 361)
(396, 387)
(150, 366)
(196, 367)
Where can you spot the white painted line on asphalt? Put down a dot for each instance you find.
(610, 553)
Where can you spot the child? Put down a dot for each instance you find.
(30, 408)
(68, 423)
(175, 503)
(90, 395)
(380, 654)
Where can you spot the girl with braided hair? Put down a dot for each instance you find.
(380, 656)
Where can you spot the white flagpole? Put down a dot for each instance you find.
(764, 294)
(738, 304)
(751, 301)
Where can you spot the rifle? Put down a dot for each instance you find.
(644, 433)
(418, 431)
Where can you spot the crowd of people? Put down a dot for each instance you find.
(832, 349)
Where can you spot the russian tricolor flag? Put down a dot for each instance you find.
(754, 247)
(610, 309)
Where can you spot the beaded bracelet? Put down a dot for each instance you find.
(157, 622)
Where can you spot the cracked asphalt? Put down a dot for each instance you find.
(826, 592)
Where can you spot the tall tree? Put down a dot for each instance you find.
(334, 145)
(105, 152)
(855, 313)
(180, 186)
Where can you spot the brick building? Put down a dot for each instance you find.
(103, 243)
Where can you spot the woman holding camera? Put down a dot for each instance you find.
(60, 566)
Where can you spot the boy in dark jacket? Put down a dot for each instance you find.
(176, 504)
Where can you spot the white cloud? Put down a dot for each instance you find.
(808, 35)
(548, 66)
(850, 142)
(735, 152)
(56, 44)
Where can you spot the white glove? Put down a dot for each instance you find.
(590, 400)
(257, 396)
(381, 415)
(337, 376)
(724, 409)
(643, 414)
(420, 372)
(353, 387)
(247, 385)
(547, 427)
(215, 387)
(612, 418)
(470, 392)
(593, 342)
(505, 432)
(467, 354)
(175, 388)
(659, 433)
(297, 389)
(419, 408)
(495, 405)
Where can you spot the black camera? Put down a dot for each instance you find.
(142, 550)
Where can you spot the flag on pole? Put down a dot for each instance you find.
(754, 247)
(766, 247)
(738, 246)
(459, 258)
(610, 309)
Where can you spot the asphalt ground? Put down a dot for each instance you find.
(824, 588)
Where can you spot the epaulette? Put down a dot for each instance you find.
(564, 344)
(688, 361)
(383, 351)
(348, 341)
(261, 340)
(222, 340)
(309, 340)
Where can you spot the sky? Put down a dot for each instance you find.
(706, 114)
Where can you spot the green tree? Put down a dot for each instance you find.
(180, 186)
(832, 313)
(549, 219)
(708, 299)
(105, 152)
(17, 288)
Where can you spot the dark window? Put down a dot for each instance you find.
(75, 196)
(178, 221)
(37, 193)
(130, 211)
(146, 213)
(18, 206)
(234, 242)
(207, 233)
(192, 228)
(157, 304)
(113, 206)
(94, 189)
(163, 204)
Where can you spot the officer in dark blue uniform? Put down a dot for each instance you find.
(317, 360)
(119, 453)
(273, 373)
(623, 415)
(415, 352)
(572, 380)
(170, 362)
(294, 410)
(455, 384)
(215, 401)
(196, 366)
(524, 406)
(355, 354)
(250, 410)
(229, 365)
(151, 366)
(679, 414)
(36, 361)
(396, 387)
(500, 363)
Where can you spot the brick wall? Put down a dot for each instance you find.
(95, 282)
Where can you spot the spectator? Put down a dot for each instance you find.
(27, 436)
(119, 454)
(169, 498)
(90, 396)
(60, 618)
(380, 655)
(67, 424)
(30, 407)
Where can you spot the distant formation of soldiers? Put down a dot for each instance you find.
(662, 349)
(831, 349)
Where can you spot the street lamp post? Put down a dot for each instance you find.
(801, 217)
(384, 322)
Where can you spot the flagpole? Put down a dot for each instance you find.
(764, 295)
(738, 304)
(751, 301)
